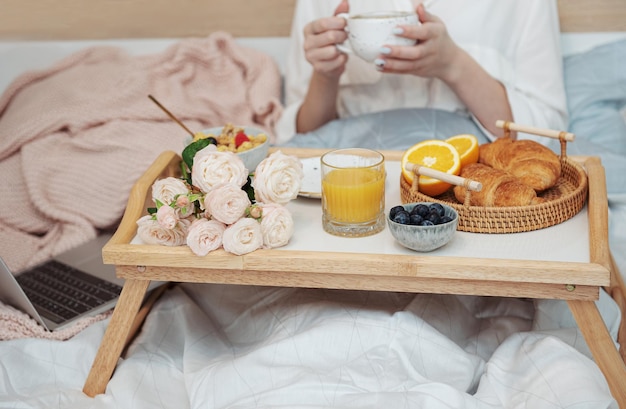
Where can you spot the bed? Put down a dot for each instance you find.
(222, 346)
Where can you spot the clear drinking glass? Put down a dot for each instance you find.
(353, 192)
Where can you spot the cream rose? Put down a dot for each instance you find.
(226, 203)
(276, 225)
(212, 168)
(242, 237)
(151, 232)
(277, 179)
(171, 189)
(205, 236)
(167, 217)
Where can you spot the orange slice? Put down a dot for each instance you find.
(467, 146)
(435, 154)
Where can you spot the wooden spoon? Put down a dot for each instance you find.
(171, 115)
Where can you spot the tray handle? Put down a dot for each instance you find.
(562, 136)
(470, 185)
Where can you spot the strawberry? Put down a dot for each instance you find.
(241, 138)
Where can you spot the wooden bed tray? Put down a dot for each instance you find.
(577, 283)
(140, 19)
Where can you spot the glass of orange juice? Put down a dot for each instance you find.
(353, 192)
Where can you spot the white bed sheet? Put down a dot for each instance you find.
(213, 346)
(218, 346)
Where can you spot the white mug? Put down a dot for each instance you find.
(368, 32)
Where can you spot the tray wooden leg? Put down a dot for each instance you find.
(115, 336)
(618, 292)
(602, 347)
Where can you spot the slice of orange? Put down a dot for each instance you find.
(435, 154)
(467, 146)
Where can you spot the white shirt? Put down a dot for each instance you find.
(515, 41)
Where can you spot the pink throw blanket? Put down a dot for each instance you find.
(15, 324)
(75, 137)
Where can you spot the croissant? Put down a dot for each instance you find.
(500, 188)
(532, 163)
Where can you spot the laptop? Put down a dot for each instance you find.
(70, 286)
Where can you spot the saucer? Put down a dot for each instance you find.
(312, 181)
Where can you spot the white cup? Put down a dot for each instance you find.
(368, 32)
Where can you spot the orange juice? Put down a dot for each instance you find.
(354, 195)
(353, 192)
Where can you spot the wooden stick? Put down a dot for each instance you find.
(171, 115)
(147, 305)
(550, 133)
(115, 336)
(618, 292)
(444, 177)
(601, 346)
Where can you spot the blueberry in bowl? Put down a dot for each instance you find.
(423, 226)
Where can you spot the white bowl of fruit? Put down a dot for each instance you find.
(423, 226)
(249, 143)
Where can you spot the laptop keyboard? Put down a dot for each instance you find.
(60, 292)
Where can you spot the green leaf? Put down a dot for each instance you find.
(249, 190)
(190, 150)
(194, 197)
(185, 172)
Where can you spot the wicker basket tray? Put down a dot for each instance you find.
(563, 201)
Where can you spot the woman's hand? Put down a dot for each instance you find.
(320, 48)
(320, 39)
(434, 55)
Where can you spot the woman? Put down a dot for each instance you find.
(480, 61)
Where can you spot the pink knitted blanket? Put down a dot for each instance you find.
(15, 324)
(75, 137)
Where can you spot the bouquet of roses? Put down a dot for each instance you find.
(218, 203)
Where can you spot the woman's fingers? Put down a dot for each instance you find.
(320, 39)
(343, 7)
(403, 59)
(323, 25)
(322, 53)
(424, 16)
(326, 53)
(398, 66)
(428, 57)
(324, 39)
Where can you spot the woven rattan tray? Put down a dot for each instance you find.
(563, 201)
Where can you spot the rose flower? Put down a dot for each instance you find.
(226, 203)
(276, 225)
(170, 190)
(151, 232)
(205, 236)
(212, 168)
(242, 237)
(277, 179)
(167, 217)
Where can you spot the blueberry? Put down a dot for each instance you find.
(416, 219)
(433, 216)
(402, 217)
(439, 208)
(445, 219)
(394, 210)
(427, 222)
(420, 209)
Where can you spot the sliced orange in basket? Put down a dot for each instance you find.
(435, 154)
(467, 146)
